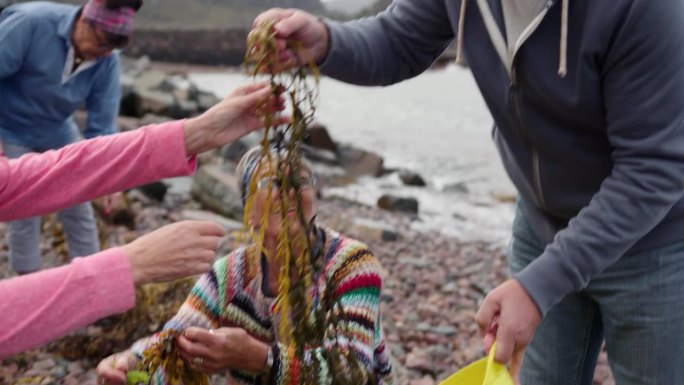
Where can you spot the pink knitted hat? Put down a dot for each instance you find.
(115, 21)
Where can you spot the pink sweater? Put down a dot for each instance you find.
(39, 307)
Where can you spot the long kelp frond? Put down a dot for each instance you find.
(303, 328)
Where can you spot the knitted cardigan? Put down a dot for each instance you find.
(232, 296)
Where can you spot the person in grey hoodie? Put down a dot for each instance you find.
(588, 103)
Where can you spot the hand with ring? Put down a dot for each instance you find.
(197, 362)
(112, 370)
(226, 348)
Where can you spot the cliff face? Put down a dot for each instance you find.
(207, 47)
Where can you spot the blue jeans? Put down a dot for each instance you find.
(24, 235)
(637, 305)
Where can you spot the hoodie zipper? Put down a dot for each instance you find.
(526, 133)
(536, 173)
(501, 48)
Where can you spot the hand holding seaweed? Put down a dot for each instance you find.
(224, 348)
(301, 38)
(164, 354)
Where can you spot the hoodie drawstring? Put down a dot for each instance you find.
(563, 60)
(459, 39)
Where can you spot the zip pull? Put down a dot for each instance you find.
(514, 79)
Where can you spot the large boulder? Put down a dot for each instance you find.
(149, 80)
(234, 151)
(206, 100)
(152, 91)
(317, 136)
(330, 176)
(131, 103)
(141, 94)
(156, 102)
(358, 162)
(217, 188)
(155, 190)
(134, 67)
(124, 123)
(183, 109)
(319, 155)
(153, 119)
(376, 230)
(401, 204)
(410, 178)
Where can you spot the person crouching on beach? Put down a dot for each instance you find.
(228, 320)
(55, 58)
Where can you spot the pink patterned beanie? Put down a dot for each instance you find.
(115, 21)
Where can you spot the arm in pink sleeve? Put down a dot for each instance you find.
(42, 306)
(41, 183)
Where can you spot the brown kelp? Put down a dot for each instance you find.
(163, 354)
(302, 327)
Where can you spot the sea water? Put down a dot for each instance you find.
(435, 124)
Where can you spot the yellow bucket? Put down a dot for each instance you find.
(485, 371)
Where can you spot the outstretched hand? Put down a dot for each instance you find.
(235, 116)
(174, 251)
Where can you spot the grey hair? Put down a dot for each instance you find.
(248, 165)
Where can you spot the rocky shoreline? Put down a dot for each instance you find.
(433, 283)
(432, 287)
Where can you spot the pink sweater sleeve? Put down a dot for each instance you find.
(41, 183)
(42, 306)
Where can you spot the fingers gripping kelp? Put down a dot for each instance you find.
(164, 355)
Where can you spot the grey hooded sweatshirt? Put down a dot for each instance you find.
(588, 105)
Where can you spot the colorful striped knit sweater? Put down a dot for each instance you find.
(228, 297)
